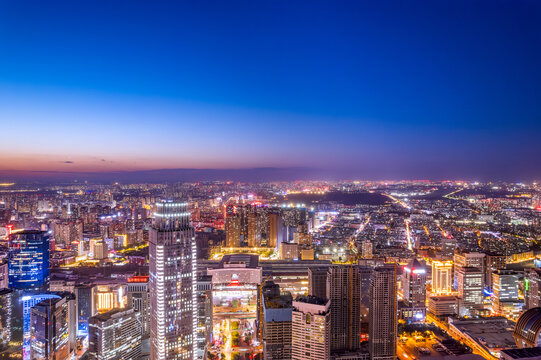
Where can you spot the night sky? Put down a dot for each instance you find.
(351, 89)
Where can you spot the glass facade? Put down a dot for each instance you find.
(28, 259)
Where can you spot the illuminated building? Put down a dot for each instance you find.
(311, 328)
(414, 284)
(505, 300)
(233, 231)
(86, 306)
(5, 316)
(366, 249)
(528, 329)
(276, 230)
(442, 277)
(29, 260)
(235, 285)
(470, 259)
(276, 323)
(343, 290)
(289, 251)
(108, 297)
(66, 232)
(470, 289)
(4, 275)
(383, 313)
(532, 288)
(204, 314)
(172, 283)
(307, 254)
(115, 335)
(138, 298)
(100, 250)
(53, 328)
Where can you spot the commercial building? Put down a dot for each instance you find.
(442, 277)
(53, 328)
(115, 335)
(204, 314)
(29, 260)
(139, 300)
(383, 313)
(443, 306)
(470, 282)
(311, 329)
(172, 283)
(528, 329)
(276, 325)
(505, 301)
(532, 288)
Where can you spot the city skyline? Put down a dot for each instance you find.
(330, 90)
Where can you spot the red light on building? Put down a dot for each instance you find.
(10, 229)
(138, 279)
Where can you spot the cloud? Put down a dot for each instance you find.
(67, 162)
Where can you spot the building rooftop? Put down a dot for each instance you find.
(523, 353)
(310, 299)
(112, 314)
(247, 260)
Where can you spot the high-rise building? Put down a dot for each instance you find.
(4, 275)
(276, 230)
(317, 281)
(233, 231)
(29, 260)
(53, 324)
(204, 314)
(365, 272)
(86, 306)
(5, 317)
(311, 329)
(493, 262)
(532, 288)
(470, 289)
(276, 325)
(469, 259)
(383, 313)
(442, 272)
(173, 283)
(138, 298)
(100, 250)
(343, 290)
(505, 299)
(115, 334)
(414, 284)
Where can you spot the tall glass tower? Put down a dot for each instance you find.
(172, 283)
(29, 260)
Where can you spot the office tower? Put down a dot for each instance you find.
(311, 328)
(442, 306)
(5, 316)
(317, 281)
(343, 290)
(172, 283)
(4, 275)
(276, 323)
(532, 288)
(138, 298)
(366, 249)
(204, 314)
(472, 259)
(114, 335)
(414, 284)
(29, 260)
(493, 263)
(365, 272)
(505, 293)
(442, 277)
(53, 324)
(448, 247)
(470, 289)
(233, 231)
(276, 230)
(383, 313)
(86, 306)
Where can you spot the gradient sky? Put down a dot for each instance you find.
(368, 89)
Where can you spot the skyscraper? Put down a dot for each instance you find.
(173, 314)
(343, 290)
(138, 298)
(383, 310)
(470, 289)
(317, 281)
(53, 328)
(414, 284)
(311, 328)
(29, 260)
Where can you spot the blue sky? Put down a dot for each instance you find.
(422, 89)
